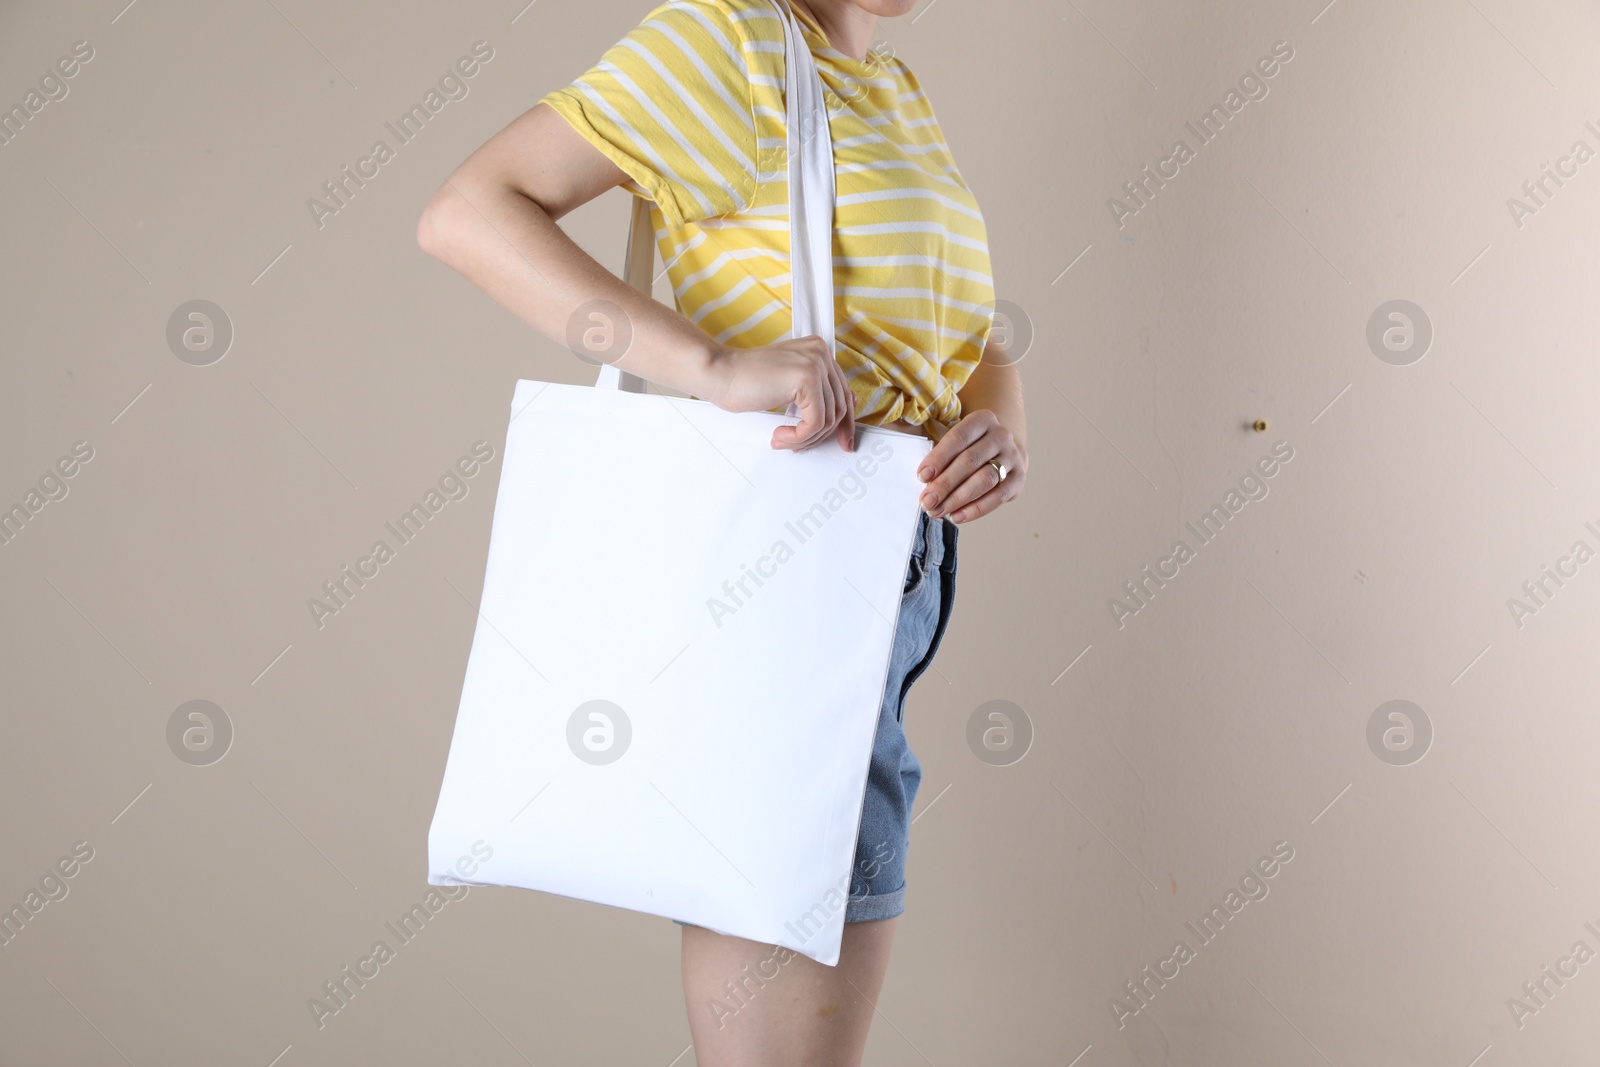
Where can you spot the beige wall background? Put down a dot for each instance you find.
(1168, 754)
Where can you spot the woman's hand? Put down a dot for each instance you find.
(801, 371)
(962, 482)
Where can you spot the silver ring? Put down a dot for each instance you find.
(999, 467)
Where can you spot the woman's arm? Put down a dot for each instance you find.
(494, 221)
(961, 482)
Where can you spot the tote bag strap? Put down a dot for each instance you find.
(811, 204)
(811, 185)
(636, 272)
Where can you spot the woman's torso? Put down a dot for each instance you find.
(913, 292)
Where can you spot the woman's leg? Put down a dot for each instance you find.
(753, 1004)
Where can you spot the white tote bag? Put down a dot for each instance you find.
(684, 637)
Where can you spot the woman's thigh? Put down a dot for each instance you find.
(750, 1003)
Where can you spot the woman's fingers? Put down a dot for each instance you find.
(846, 434)
(984, 490)
(964, 483)
(822, 395)
(986, 503)
(951, 445)
(808, 392)
(811, 414)
(843, 429)
(827, 411)
(969, 445)
(981, 480)
(835, 400)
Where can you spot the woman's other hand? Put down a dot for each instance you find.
(962, 481)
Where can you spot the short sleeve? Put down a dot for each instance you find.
(675, 104)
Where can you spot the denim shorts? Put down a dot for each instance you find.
(878, 879)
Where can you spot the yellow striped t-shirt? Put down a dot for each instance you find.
(690, 106)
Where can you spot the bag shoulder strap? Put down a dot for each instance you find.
(812, 193)
(811, 185)
(641, 260)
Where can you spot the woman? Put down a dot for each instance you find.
(688, 111)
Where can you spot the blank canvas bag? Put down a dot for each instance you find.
(684, 636)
